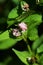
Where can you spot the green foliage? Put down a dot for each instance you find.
(40, 49)
(22, 55)
(35, 64)
(12, 15)
(6, 41)
(28, 47)
(37, 43)
(41, 59)
(35, 19)
(33, 34)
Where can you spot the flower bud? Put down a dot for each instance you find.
(22, 26)
(16, 32)
(25, 6)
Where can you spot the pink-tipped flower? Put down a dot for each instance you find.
(22, 26)
(16, 32)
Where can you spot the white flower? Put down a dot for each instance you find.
(29, 58)
(16, 32)
(22, 26)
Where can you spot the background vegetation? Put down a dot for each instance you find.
(26, 49)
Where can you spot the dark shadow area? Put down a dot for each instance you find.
(16, 60)
(39, 9)
(3, 27)
(21, 46)
(30, 42)
(6, 53)
(40, 29)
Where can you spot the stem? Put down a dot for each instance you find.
(25, 39)
(28, 46)
(37, 57)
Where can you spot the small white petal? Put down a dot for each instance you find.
(29, 58)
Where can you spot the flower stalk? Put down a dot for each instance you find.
(25, 39)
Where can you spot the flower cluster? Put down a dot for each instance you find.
(22, 26)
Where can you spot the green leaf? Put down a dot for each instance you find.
(37, 43)
(7, 42)
(12, 16)
(34, 19)
(23, 3)
(40, 49)
(2, 63)
(22, 55)
(35, 64)
(4, 35)
(32, 34)
(13, 13)
(41, 60)
(41, 2)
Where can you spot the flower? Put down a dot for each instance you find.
(25, 7)
(22, 26)
(29, 58)
(16, 32)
